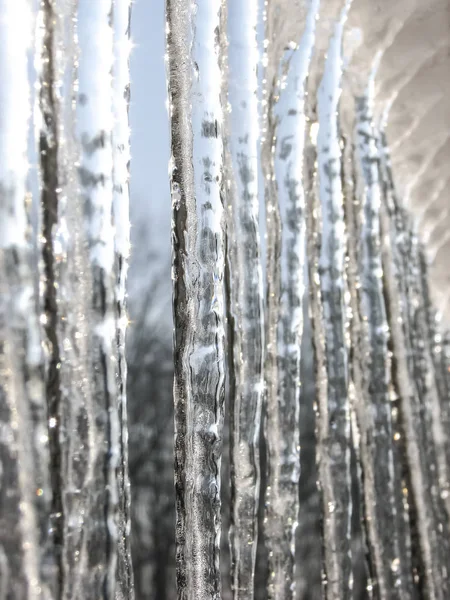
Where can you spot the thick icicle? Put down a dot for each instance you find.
(94, 133)
(428, 513)
(334, 419)
(121, 201)
(195, 86)
(383, 502)
(77, 476)
(246, 292)
(25, 493)
(286, 270)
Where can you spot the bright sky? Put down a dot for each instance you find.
(150, 196)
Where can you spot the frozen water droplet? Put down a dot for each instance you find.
(395, 565)
(176, 195)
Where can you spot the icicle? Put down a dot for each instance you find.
(121, 201)
(77, 467)
(427, 511)
(246, 292)
(94, 133)
(383, 502)
(334, 419)
(273, 275)
(194, 82)
(286, 271)
(25, 494)
(315, 307)
(52, 248)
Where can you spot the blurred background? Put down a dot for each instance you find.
(150, 312)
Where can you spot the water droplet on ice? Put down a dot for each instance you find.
(395, 565)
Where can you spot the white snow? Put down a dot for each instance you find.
(95, 124)
(15, 35)
(290, 112)
(329, 155)
(121, 133)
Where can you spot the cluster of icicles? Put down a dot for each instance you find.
(338, 239)
(64, 492)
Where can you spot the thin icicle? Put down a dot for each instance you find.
(25, 494)
(315, 304)
(428, 514)
(121, 202)
(195, 86)
(285, 311)
(334, 418)
(356, 370)
(49, 122)
(246, 292)
(94, 133)
(382, 492)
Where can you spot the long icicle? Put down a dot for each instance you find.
(121, 204)
(66, 297)
(66, 291)
(50, 123)
(94, 133)
(382, 492)
(246, 293)
(25, 493)
(334, 418)
(195, 86)
(356, 371)
(283, 398)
